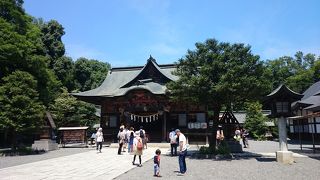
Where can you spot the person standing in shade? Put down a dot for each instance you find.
(173, 142)
(121, 138)
(182, 152)
(220, 136)
(244, 135)
(99, 139)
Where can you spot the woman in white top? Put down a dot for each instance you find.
(99, 137)
(138, 148)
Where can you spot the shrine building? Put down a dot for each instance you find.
(137, 96)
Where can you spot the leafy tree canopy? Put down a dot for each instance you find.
(298, 72)
(68, 111)
(20, 108)
(52, 33)
(219, 73)
(89, 74)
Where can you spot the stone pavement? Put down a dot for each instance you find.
(86, 165)
(7, 161)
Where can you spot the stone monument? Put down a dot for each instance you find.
(47, 138)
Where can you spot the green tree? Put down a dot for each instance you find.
(52, 33)
(218, 74)
(20, 109)
(296, 72)
(68, 111)
(64, 70)
(12, 12)
(316, 70)
(255, 121)
(89, 74)
(21, 48)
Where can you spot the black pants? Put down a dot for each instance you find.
(173, 148)
(120, 148)
(134, 159)
(99, 145)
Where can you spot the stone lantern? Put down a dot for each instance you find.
(280, 102)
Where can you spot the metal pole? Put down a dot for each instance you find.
(299, 134)
(313, 131)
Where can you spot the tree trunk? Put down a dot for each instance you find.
(13, 140)
(216, 112)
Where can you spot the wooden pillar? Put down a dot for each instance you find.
(164, 126)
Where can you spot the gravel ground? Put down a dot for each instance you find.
(8, 161)
(251, 168)
(273, 146)
(242, 168)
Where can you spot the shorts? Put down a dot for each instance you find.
(156, 169)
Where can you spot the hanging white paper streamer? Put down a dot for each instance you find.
(131, 116)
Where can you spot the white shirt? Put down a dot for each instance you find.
(183, 140)
(99, 136)
(173, 137)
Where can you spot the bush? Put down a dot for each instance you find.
(21, 151)
(255, 121)
(206, 150)
(223, 149)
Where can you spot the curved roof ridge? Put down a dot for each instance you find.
(154, 63)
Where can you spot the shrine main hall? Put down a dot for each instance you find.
(138, 96)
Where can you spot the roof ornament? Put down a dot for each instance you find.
(151, 59)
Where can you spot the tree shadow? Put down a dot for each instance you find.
(266, 159)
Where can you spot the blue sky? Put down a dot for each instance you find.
(126, 32)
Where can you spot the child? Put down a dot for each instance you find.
(130, 147)
(156, 161)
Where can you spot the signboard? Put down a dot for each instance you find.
(197, 125)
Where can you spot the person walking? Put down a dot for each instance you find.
(182, 152)
(99, 139)
(138, 148)
(173, 142)
(121, 138)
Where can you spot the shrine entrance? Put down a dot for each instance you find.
(141, 108)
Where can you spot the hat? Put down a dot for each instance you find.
(177, 130)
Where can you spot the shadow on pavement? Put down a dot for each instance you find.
(266, 159)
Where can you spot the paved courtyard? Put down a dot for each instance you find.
(86, 163)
